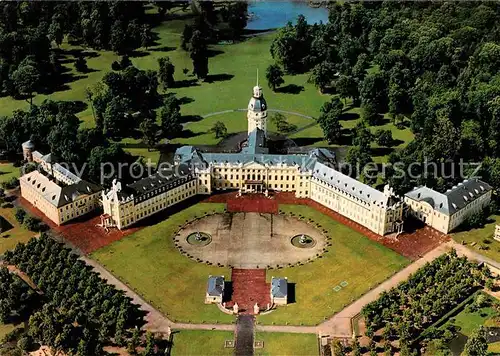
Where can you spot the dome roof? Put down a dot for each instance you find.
(257, 104)
(28, 145)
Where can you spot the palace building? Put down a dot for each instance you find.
(55, 191)
(446, 211)
(254, 170)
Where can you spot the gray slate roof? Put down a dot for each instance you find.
(349, 185)
(167, 178)
(215, 286)
(256, 142)
(279, 287)
(453, 199)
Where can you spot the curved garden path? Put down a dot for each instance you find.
(270, 110)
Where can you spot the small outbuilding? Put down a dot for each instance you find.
(215, 290)
(279, 291)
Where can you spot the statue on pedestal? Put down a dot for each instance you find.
(256, 309)
(235, 308)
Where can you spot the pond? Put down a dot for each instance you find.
(273, 14)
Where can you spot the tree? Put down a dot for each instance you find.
(282, 124)
(374, 89)
(118, 37)
(149, 130)
(329, 120)
(369, 113)
(134, 341)
(31, 223)
(170, 117)
(384, 137)
(20, 214)
(166, 72)
(237, 17)
(146, 36)
(149, 350)
(322, 75)
(26, 78)
(356, 347)
(337, 348)
(274, 76)
(199, 54)
(81, 64)
(219, 129)
(476, 344)
(56, 33)
(347, 87)
(116, 117)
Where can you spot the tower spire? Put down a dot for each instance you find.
(257, 76)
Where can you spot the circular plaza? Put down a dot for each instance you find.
(250, 240)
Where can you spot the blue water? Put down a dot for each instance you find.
(273, 14)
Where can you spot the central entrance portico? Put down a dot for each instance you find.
(254, 186)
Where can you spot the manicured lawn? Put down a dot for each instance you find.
(7, 171)
(494, 348)
(149, 156)
(482, 237)
(201, 342)
(233, 69)
(5, 329)
(149, 262)
(352, 258)
(9, 239)
(468, 322)
(287, 344)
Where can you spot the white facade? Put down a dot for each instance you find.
(257, 111)
(446, 211)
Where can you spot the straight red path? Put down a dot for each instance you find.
(250, 287)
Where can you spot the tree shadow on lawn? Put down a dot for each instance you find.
(213, 52)
(76, 52)
(291, 293)
(61, 84)
(137, 53)
(188, 134)
(163, 49)
(211, 78)
(191, 118)
(381, 151)
(186, 83)
(348, 116)
(185, 100)
(306, 141)
(290, 89)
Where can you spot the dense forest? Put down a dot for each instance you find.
(432, 66)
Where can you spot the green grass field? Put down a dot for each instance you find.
(7, 171)
(469, 321)
(5, 329)
(233, 69)
(287, 344)
(353, 258)
(482, 237)
(149, 262)
(9, 239)
(201, 342)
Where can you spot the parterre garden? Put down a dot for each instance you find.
(176, 285)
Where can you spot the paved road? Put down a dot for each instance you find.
(244, 335)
